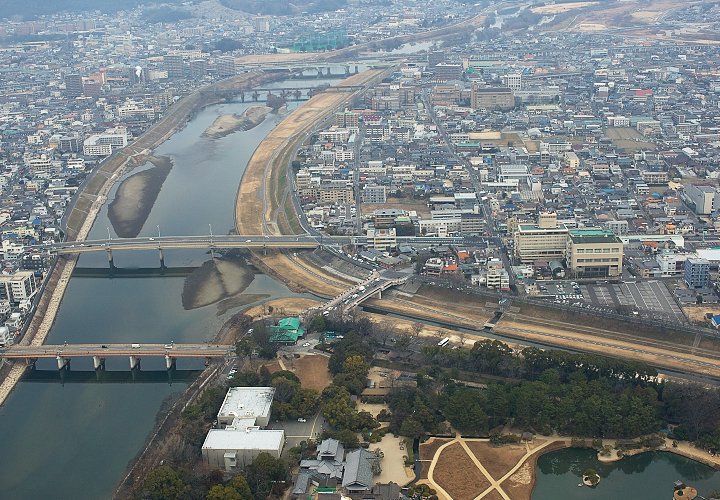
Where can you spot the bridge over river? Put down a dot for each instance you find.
(63, 353)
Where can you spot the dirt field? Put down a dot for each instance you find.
(696, 314)
(560, 8)
(629, 139)
(493, 495)
(420, 206)
(427, 452)
(312, 371)
(304, 277)
(288, 306)
(498, 460)
(456, 473)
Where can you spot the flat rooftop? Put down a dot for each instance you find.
(247, 402)
(593, 236)
(251, 439)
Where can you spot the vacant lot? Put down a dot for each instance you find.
(696, 314)
(560, 8)
(313, 372)
(420, 206)
(456, 473)
(623, 133)
(498, 460)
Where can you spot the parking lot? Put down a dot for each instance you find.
(645, 297)
(295, 431)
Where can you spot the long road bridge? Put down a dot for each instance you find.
(213, 242)
(63, 353)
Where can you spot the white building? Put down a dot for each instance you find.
(104, 144)
(19, 286)
(242, 416)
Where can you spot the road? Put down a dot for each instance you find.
(112, 350)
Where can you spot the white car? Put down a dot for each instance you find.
(302, 420)
(306, 344)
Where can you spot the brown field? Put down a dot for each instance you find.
(560, 8)
(289, 306)
(635, 145)
(427, 452)
(493, 495)
(498, 460)
(420, 206)
(623, 133)
(312, 371)
(696, 314)
(456, 473)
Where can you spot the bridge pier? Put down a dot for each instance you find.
(378, 295)
(347, 71)
(320, 73)
(162, 257)
(134, 362)
(111, 262)
(62, 362)
(356, 69)
(169, 362)
(327, 72)
(98, 363)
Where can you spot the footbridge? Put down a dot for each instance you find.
(99, 352)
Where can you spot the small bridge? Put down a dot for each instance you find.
(99, 352)
(374, 285)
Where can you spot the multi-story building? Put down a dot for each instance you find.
(347, 119)
(374, 194)
(544, 241)
(174, 65)
(19, 286)
(513, 81)
(501, 98)
(104, 144)
(73, 86)
(594, 252)
(702, 199)
(447, 71)
(225, 66)
(382, 239)
(243, 415)
(696, 273)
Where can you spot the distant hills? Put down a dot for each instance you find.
(29, 9)
(283, 7)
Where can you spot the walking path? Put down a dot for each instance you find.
(494, 484)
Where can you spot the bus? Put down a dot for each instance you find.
(444, 342)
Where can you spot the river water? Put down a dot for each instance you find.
(648, 476)
(74, 440)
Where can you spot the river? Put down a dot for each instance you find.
(74, 440)
(648, 476)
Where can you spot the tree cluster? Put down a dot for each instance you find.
(261, 477)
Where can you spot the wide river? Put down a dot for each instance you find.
(74, 440)
(648, 476)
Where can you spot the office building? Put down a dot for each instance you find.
(594, 252)
(262, 23)
(513, 81)
(381, 239)
(500, 98)
(544, 241)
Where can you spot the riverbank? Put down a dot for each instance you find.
(136, 196)
(93, 195)
(227, 124)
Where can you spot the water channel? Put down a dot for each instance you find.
(648, 476)
(74, 440)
